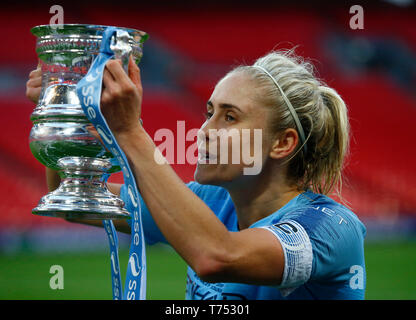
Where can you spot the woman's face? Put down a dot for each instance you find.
(232, 142)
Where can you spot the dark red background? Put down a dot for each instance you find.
(203, 42)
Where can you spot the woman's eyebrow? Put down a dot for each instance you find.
(224, 106)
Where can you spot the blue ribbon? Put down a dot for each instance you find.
(89, 93)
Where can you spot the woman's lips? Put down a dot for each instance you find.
(204, 155)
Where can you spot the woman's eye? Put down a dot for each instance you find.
(229, 117)
(208, 115)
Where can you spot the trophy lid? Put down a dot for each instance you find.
(83, 29)
(64, 44)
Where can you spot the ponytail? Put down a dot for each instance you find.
(325, 169)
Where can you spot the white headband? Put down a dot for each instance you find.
(289, 106)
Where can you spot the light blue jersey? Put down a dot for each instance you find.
(323, 244)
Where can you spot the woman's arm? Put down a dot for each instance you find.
(188, 224)
(52, 179)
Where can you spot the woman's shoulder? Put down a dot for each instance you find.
(329, 211)
(314, 212)
(332, 231)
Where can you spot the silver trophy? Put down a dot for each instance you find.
(59, 138)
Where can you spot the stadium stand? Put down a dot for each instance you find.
(200, 46)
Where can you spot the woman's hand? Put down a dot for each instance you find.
(34, 85)
(121, 97)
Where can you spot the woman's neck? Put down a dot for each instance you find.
(268, 196)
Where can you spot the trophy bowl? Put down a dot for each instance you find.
(59, 138)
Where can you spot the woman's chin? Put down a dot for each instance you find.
(203, 177)
(208, 174)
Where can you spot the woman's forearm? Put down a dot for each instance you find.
(187, 223)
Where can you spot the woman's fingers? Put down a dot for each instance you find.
(134, 74)
(116, 82)
(35, 82)
(34, 85)
(117, 71)
(110, 86)
(37, 73)
(120, 98)
(33, 94)
(91, 129)
(35, 78)
(114, 67)
(108, 79)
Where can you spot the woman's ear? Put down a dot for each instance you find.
(285, 143)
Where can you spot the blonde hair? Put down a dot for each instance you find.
(321, 112)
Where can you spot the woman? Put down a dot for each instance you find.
(270, 235)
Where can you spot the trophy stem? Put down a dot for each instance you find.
(82, 193)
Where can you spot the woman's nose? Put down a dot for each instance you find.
(203, 138)
(206, 130)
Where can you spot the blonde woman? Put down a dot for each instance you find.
(270, 235)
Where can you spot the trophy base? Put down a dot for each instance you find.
(75, 213)
(82, 193)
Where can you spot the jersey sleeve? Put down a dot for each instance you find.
(319, 244)
(298, 254)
